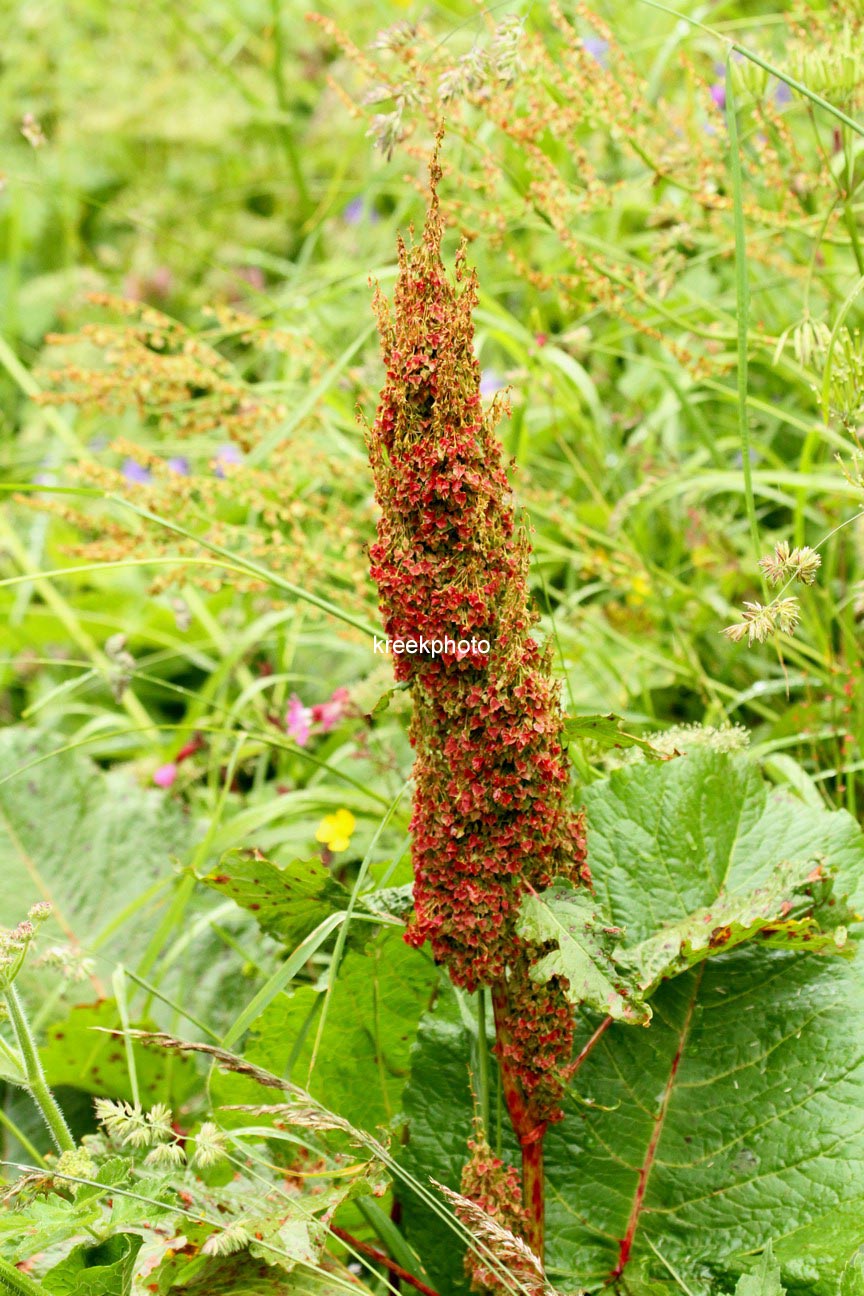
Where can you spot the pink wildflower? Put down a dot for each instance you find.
(165, 775)
(298, 721)
(328, 714)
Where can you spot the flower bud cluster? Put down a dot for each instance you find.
(494, 1186)
(130, 1126)
(16, 941)
(760, 621)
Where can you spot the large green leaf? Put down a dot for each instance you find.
(362, 1063)
(819, 1251)
(737, 1116)
(288, 903)
(795, 909)
(104, 1269)
(64, 822)
(78, 1052)
(605, 731)
(585, 943)
(728, 1110)
(666, 840)
(788, 912)
(94, 844)
(47, 1221)
(244, 1275)
(764, 1280)
(852, 1277)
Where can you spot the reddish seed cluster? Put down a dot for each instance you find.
(494, 1186)
(492, 813)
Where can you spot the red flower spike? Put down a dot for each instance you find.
(491, 814)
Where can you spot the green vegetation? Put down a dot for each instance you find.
(222, 1068)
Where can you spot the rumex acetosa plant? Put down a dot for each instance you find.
(492, 815)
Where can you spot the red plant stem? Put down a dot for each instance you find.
(533, 1194)
(626, 1244)
(570, 1070)
(517, 1107)
(526, 1127)
(194, 745)
(380, 1258)
(396, 1214)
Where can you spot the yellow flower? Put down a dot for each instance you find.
(335, 830)
(640, 587)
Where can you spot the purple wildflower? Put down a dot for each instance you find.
(782, 95)
(718, 94)
(133, 471)
(597, 48)
(353, 213)
(227, 454)
(490, 383)
(357, 212)
(180, 465)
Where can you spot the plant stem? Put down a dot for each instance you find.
(283, 100)
(380, 1258)
(36, 1157)
(36, 1082)
(483, 1061)
(742, 303)
(13, 1280)
(848, 195)
(70, 621)
(533, 1194)
(526, 1127)
(574, 1066)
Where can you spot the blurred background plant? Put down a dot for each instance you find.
(192, 206)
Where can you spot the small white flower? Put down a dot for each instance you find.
(209, 1145)
(129, 1124)
(791, 564)
(757, 624)
(159, 1120)
(166, 1154)
(33, 132)
(233, 1238)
